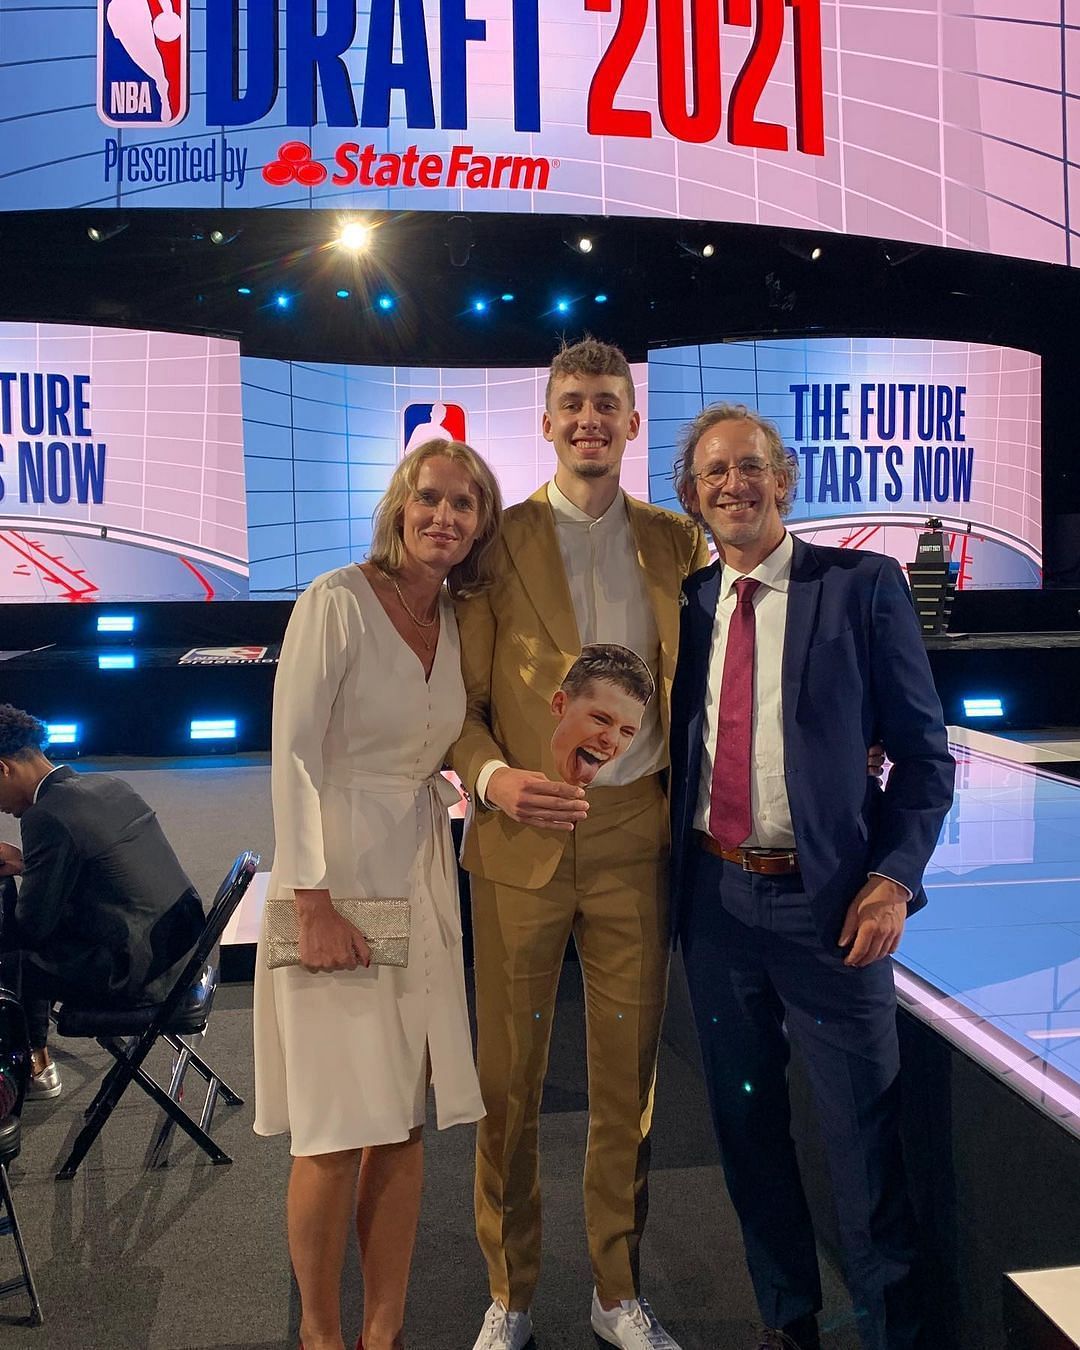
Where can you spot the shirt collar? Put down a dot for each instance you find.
(37, 790)
(774, 571)
(567, 512)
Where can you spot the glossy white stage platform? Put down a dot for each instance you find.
(993, 961)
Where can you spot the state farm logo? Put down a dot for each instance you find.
(365, 166)
(294, 165)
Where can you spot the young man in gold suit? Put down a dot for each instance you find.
(584, 563)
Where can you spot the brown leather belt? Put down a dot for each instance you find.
(769, 863)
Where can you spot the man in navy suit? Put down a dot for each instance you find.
(793, 872)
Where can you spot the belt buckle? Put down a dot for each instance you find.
(745, 860)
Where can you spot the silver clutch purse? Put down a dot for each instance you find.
(384, 924)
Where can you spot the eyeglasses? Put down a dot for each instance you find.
(750, 470)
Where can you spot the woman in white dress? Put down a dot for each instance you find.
(367, 701)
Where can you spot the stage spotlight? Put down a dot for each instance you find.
(243, 290)
(99, 234)
(562, 306)
(507, 296)
(63, 733)
(355, 236)
(479, 306)
(816, 253)
(459, 240)
(282, 300)
(695, 243)
(983, 707)
(218, 236)
(213, 729)
(601, 299)
(385, 302)
(116, 661)
(579, 237)
(343, 294)
(116, 623)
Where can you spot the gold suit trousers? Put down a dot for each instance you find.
(610, 893)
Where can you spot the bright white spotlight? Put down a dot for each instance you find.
(816, 252)
(585, 244)
(708, 250)
(354, 236)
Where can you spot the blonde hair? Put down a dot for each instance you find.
(477, 571)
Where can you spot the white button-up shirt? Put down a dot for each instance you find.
(611, 604)
(770, 813)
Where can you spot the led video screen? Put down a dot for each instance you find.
(322, 440)
(949, 122)
(121, 465)
(888, 432)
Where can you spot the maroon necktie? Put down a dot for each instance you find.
(729, 807)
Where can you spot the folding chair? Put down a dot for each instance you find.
(129, 1034)
(14, 1077)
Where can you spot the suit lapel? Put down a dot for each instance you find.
(804, 597)
(661, 586)
(534, 550)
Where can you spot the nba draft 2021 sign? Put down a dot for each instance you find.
(952, 122)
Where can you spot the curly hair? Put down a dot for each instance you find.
(590, 356)
(617, 665)
(779, 457)
(478, 570)
(21, 735)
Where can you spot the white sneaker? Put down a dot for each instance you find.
(632, 1325)
(504, 1330)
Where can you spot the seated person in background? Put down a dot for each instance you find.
(103, 912)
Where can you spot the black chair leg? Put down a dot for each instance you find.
(11, 1225)
(95, 1120)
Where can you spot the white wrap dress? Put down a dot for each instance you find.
(360, 808)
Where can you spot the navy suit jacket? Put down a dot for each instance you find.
(855, 672)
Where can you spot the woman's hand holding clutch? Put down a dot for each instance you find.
(327, 941)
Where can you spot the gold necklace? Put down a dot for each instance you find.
(419, 624)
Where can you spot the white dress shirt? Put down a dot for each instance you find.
(770, 813)
(611, 604)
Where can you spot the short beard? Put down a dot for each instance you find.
(591, 469)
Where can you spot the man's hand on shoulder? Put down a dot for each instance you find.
(11, 861)
(530, 798)
(874, 923)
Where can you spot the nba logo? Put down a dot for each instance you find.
(142, 62)
(432, 422)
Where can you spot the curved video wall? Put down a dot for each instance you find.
(943, 122)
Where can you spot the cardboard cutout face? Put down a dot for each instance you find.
(599, 708)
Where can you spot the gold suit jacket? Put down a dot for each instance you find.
(517, 643)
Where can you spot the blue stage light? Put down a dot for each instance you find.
(282, 300)
(243, 290)
(480, 306)
(601, 299)
(116, 661)
(213, 729)
(507, 296)
(343, 295)
(63, 733)
(385, 302)
(116, 623)
(983, 707)
(562, 306)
